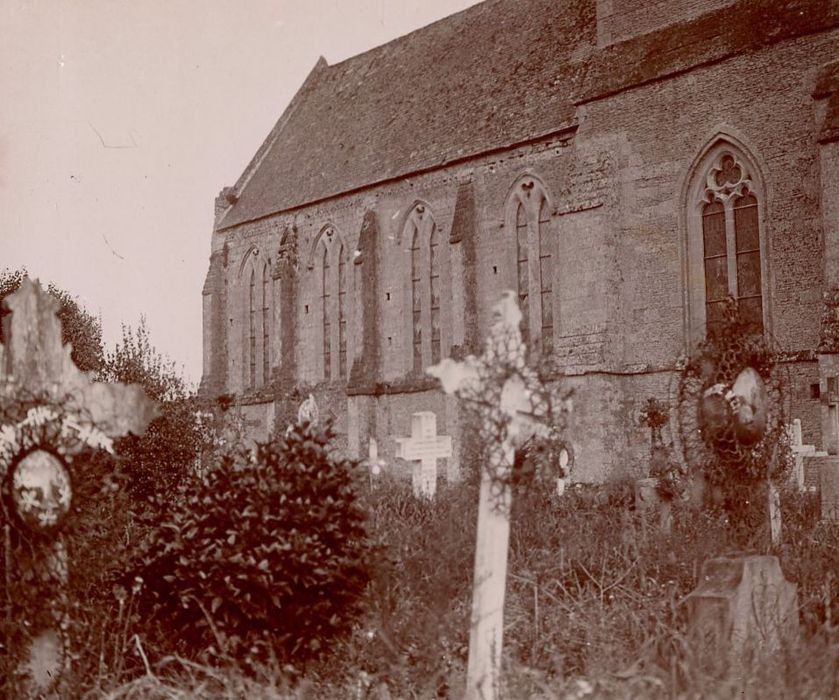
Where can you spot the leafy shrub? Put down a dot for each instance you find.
(264, 557)
(168, 450)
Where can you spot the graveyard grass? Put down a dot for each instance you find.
(595, 590)
(594, 608)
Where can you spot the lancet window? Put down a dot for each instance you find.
(528, 214)
(332, 259)
(426, 260)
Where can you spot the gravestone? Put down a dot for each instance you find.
(67, 413)
(308, 411)
(424, 448)
(512, 407)
(828, 469)
(742, 606)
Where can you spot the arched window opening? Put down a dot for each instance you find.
(528, 218)
(416, 297)
(434, 277)
(725, 246)
(252, 330)
(327, 326)
(522, 247)
(266, 327)
(546, 279)
(425, 328)
(342, 313)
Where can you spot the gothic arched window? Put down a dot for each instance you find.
(342, 312)
(332, 263)
(326, 283)
(528, 215)
(426, 253)
(257, 309)
(252, 331)
(726, 251)
(266, 325)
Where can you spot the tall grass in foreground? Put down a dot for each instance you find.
(594, 608)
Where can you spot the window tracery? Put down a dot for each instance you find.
(725, 245)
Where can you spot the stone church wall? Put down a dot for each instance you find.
(616, 184)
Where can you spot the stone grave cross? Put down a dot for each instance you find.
(424, 448)
(67, 413)
(513, 407)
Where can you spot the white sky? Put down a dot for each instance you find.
(120, 120)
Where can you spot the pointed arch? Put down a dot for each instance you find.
(257, 316)
(724, 202)
(329, 255)
(527, 221)
(428, 336)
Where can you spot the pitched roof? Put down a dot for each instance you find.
(493, 75)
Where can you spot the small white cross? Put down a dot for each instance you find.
(425, 447)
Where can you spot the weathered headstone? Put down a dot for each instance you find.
(513, 407)
(829, 486)
(743, 605)
(308, 411)
(67, 413)
(424, 447)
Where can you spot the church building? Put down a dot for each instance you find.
(622, 165)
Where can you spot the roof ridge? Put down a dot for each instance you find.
(418, 30)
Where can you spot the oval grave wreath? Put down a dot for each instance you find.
(36, 458)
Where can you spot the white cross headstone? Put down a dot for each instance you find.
(513, 407)
(800, 451)
(424, 447)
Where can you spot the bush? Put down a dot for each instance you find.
(264, 557)
(169, 449)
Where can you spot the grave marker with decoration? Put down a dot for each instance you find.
(731, 424)
(512, 406)
(53, 418)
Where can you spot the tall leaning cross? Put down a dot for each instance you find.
(513, 407)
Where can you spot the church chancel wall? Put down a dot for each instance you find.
(620, 188)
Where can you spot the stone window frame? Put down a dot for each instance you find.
(415, 238)
(530, 193)
(331, 247)
(701, 187)
(255, 284)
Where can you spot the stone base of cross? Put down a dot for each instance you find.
(424, 448)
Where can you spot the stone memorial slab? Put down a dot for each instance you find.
(828, 469)
(425, 447)
(742, 605)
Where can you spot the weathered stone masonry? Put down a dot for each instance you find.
(611, 111)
